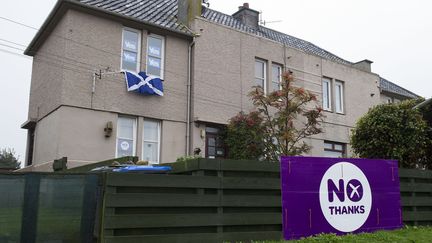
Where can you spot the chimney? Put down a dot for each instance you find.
(188, 10)
(247, 16)
(365, 65)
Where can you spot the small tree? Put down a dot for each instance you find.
(8, 159)
(244, 136)
(282, 120)
(393, 131)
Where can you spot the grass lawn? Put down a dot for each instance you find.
(407, 234)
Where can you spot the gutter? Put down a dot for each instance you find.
(64, 5)
(423, 104)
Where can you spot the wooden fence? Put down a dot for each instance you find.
(201, 201)
(416, 193)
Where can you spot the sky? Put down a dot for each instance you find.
(395, 34)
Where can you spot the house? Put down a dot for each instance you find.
(391, 92)
(80, 107)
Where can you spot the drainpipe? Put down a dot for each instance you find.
(189, 96)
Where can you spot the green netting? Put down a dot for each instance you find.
(11, 204)
(60, 209)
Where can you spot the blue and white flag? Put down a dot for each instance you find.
(143, 84)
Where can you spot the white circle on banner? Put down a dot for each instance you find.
(345, 197)
(124, 145)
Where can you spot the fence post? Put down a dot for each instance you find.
(30, 208)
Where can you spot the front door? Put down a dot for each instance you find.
(215, 147)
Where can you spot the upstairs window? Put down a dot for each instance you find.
(326, 94)
(276, 77)
(151, 141)
(131, 44)
(126, 128)
(339, 97)
(155, 56)
(260, 74)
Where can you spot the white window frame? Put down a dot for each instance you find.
(138, 66)
(264, 72)
(134, 134)
(328, 82)
(280, 70)
(340, 84)
(162, 38)
(159, 127)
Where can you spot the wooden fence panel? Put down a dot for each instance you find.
(201, 201)
(416, 193)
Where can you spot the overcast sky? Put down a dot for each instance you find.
(395, 34)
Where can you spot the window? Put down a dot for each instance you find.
(131, 50)
(260, 74)
(339, 97)
(155, 54)
(126, 128)
(334, 150)
(276, 77)
(151, 141)
(326, 90)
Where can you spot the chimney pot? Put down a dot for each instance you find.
(246, 5)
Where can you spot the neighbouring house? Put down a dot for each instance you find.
(393, 93)
(80, 107)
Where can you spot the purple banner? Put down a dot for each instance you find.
(339, 195)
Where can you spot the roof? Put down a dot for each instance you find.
(163, 14)
(159, 12)
(262, 31)
(393, 88)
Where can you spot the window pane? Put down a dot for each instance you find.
(125, 127)
(275, 74)
(150, 152)
(151, 131)
(328, 146)
(212, 130)
(130, 61)
(333, 154)
(275, 86)
(211, 152)
(339, 97)
(155, 47)
(259, 82)
(326, 94)
(259, 70)
(338, 147)
(124, 147)
(130, 40)
(211, 142)
(154, 66)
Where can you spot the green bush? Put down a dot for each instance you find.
(393, 131)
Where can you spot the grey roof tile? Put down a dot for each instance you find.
(163, 13)
(396, 89)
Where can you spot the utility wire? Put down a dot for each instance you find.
(138, 61)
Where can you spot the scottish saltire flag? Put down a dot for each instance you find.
(143, 84)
